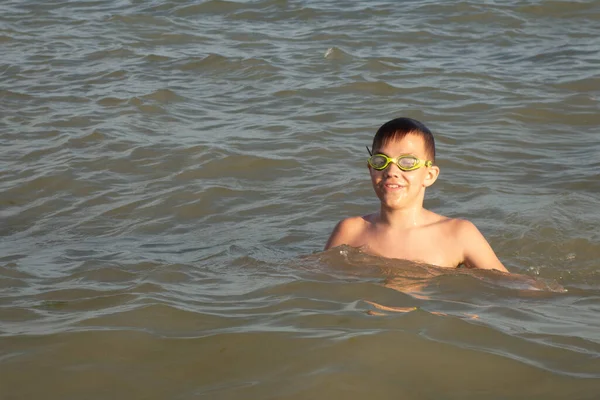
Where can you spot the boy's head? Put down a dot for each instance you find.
(398, 128)
(401, 186)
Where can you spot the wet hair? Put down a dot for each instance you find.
(398, 128)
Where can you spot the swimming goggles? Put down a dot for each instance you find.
(405, 162)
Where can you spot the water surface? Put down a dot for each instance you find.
(170, 171)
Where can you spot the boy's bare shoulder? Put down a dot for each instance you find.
(476, 251)
(348, 231)
(354, 225)
(455, 226)
(463, 229)
(359, 221)
(458, 230)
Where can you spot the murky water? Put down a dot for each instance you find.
(170, 171)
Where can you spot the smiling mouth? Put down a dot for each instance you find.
(393, 186)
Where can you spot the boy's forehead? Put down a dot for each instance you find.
(409, 143)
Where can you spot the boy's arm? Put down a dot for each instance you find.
(344, 232)
(477, 252)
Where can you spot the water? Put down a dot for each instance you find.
(170, 171)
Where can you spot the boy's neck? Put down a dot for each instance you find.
(405, 218)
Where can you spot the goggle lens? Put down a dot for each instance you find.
(379, 161)
(407, 162)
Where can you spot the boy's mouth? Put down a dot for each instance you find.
(393, 186)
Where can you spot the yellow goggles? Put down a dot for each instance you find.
(405, 162)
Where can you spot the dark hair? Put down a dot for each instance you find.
(398, 128)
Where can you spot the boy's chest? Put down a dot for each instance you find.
(424, 246)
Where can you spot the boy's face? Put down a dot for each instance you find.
(401, 189)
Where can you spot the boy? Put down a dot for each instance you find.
(402, 167)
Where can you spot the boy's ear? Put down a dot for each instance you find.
(432, 174)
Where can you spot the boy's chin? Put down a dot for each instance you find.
(393, 202)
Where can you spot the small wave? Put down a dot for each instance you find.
(8, 284)
(163, 96)
(589, 84)
(120, 53)
(250, 68)
(75, 121)
(14, 96)
(378, 88)
(256, 167)
(111, 101)
(337, 54)
(564, 54)
(379, 65)
(83, 141)
(560, 9)
(209, 7)
(161, 319)
(103, 274)
(139, 19)
(175, 39)
(157, 58)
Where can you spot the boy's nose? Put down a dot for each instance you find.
(393, 170)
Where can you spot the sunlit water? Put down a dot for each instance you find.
(170, 171)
